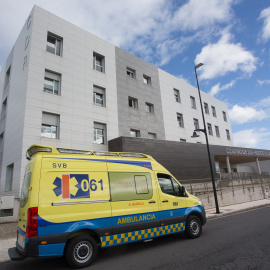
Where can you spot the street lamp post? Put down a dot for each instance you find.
(207, 143)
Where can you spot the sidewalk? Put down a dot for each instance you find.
(232, 209)
(8, 231)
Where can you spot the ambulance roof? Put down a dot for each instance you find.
(37, 148)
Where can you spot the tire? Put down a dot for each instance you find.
(81, 251)
(193, 227)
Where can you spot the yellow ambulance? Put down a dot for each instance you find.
(74, 202)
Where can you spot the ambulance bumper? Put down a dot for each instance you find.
(203, 216)
(14, 254)
(18, 253)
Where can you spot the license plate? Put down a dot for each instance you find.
(21, 240)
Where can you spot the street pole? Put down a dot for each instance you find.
(207, 143)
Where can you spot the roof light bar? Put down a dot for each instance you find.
(132, 155)
(72, 151)
(105, 154)
(33, 150)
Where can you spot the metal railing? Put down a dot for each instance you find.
(224, 184)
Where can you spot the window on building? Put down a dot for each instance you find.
(152, 135)
(135, 133)
(50, 125)
(180, 119)
(224, 116)
(210, 131)
(193, 102)
(177, 95)
(133, 102)
(98, 62)
(100, 136)
(149, 107)
(1, 145)
(206, 108)
(7, 78)
(52, 82)
(217, 131)
(214, 111)
(54, 44)
(99, 96)
(228, 134)
(146, 79)
(196, 123)
(9, 177)
(131, 73)
(4, 108)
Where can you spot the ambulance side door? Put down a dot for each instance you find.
(172, 203)
(134, 199)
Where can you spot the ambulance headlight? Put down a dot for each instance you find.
(200, 202)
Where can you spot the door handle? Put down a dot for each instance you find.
(152, 202)
(165, 201)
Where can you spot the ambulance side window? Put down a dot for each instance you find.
(168, 185)
(126, 186)
(165, 185)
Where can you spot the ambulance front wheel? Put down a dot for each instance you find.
(193, 227)
(81, 251)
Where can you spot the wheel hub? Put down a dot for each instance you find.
(194, 227)
(83, 251)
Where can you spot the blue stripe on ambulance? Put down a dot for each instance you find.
(50, 228)
(144, 164)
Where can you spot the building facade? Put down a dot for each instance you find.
(63, 86)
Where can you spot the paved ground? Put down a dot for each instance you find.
(8, 230)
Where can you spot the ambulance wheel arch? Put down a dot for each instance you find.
(89, 232)
(81, 250)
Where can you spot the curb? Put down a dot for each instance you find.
(216, 216)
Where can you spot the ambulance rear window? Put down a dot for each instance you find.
(130, 186)
(25, 189)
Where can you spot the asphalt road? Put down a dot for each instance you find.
(240, 241)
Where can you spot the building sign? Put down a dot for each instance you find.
(26, 43)
(247, 152)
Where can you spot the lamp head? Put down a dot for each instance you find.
(198, 66)
(195, 135)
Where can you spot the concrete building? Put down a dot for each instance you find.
(63, 86)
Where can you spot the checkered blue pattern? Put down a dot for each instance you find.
(128, 237)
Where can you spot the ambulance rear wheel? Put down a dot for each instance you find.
(193, 227)
(81, 251)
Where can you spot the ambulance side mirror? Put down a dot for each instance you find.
(183, 191)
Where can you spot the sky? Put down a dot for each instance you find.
(230, 37)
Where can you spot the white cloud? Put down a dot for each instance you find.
(146, 28)
(263, 82)
(252, 138)
(217, 88)
(241, 115)
(181, 76)
(196, 14)
(265, 16)
(264, 103)
(224, 57)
